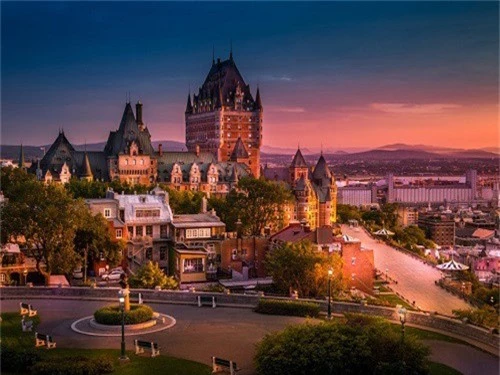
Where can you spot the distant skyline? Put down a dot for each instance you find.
(345, 75)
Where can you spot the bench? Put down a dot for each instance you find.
(27, 309)
(219, 365)
(207, 301)
(27, 325)
(140, 345)
(136, 298)
(44, 340)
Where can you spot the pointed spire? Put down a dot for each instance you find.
(239, 151)
(233, 178)
(189, 106)
(258, 101)
(231, 51)
(298, 160)
(86, 171)
(213, 55)
(21, 157)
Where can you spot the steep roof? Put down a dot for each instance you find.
(321, 170)
(239, 151)
(86, 170)
(189, 106)
(298, 160)
(128, 132)
(221, 85)
(60, 151)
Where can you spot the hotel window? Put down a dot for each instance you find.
(163, 231)
(138, 231)
(163, 253)
(149, 253)
(119, 233)
(193, 265)
(107, 212)
(149, 230)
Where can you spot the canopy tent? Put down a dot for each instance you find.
(452, 265)
(384, 232)
(347, 238)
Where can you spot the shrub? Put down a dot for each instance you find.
(111, 315)
(285, 307)
(74, 366)
(364, 347)
(485, 317)
(151, 275)
(18, 360)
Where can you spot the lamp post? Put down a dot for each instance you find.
(123, 356)
(329, 315)
(402, 319)
(25, 273)
(492, 301)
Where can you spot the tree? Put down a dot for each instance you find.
(44, 219)
(303, 268)
(362, 345)
(346, 212)
(184, 202)
(86, 189)
(150, 275)
(257, 203)
(94, 240)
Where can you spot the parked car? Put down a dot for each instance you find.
(78, 273)
(113, 275)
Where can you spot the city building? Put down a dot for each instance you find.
(407, 216)
(314, 189)
(438, 228)
(129, 157)
(223, 118)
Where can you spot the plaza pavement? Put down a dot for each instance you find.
(225, 332)
(415, 280)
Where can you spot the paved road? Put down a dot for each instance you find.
(415, 279)
(203, 332)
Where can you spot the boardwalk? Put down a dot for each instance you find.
(415, 279)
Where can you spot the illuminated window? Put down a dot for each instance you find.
(119, 233)
(107, 212)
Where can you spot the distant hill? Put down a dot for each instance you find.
(402, 154)
(283, 151)
(456, 152)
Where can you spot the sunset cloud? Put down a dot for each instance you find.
(413, 108)
(284, 109)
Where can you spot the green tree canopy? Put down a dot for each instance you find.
(346, 212)
(151, 275)
(303, 268)
(362, 345)
(257, 203)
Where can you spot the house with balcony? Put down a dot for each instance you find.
(196, 253)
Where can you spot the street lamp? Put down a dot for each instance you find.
(25, 273)
(123, 356)
(402, 319)
(330, 273)
(492, 300)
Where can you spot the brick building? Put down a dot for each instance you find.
(223, 118)
(438, 228)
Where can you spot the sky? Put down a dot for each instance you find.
(337, 74)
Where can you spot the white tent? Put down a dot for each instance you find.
(347, 238)
(384, 232)
(452, 266)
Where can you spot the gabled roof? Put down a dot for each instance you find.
(239, 151)
(128, 132)
(298, 160)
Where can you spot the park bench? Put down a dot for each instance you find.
(140, 345)
(27, 325)
(220, 365)
(207, 301)
(44, 340)
(136, 298)
(27, 309)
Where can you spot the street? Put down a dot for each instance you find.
(415, 280)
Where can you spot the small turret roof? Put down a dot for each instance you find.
(298, 160)
(239, 151)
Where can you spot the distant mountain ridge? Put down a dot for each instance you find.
(388, 152)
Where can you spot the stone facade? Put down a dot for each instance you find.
(224, 113)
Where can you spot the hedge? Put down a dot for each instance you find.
(18, 360)
(74, 366)
(284, 307)
(111, 315)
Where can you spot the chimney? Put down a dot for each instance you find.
(197, 150)
(138, 113)
(160, 151)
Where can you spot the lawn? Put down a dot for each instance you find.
(13, 337)
(395, 300)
